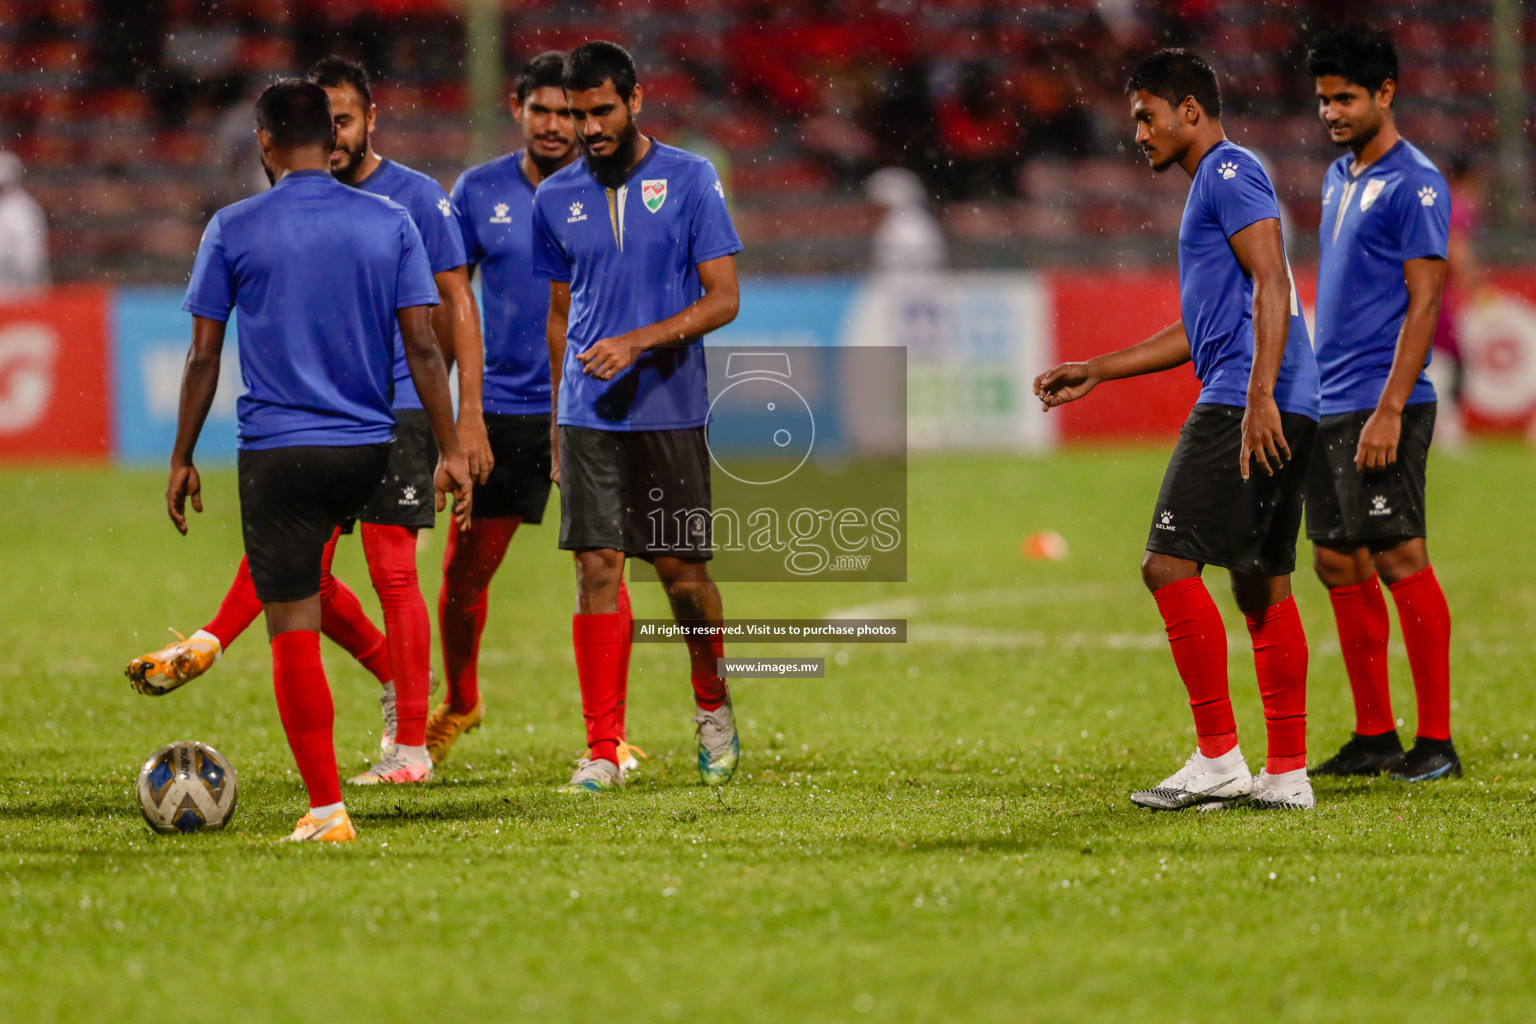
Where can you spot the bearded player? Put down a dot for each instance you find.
(1384, 236)
(325, 279)
(639, 249)
(1232, 495)
(400, 658)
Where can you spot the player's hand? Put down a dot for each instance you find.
(554, 451)
(476, 442)
(1378, 441)
(452, 477)
(1263, 437)
(1064, 383)
(184, 484)
(607, 358)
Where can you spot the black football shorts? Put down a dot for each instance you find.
(404, 494)
(643, 492)
(519, 482)
(291, 501)
(1207, 513)
(1348, 507)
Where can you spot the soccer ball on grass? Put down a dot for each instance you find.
(187, 787)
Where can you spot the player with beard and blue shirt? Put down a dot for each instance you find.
(494, 203)
(640, 253)
(1383, 244)
(325, 279)
(1258, 407)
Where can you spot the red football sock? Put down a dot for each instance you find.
(599, 642)
(1361, 613)
(1199, 642)
(1280, 657)
(469, 562)
(304, 705)
(1426, 622)
(343, 620)
(238, 609)
(627, 615)
(391, 553)
(704, 654)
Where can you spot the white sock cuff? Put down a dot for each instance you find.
(323, 812)
(218, 645)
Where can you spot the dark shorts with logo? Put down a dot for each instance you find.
(404, 497)
(1348, 507)
(291, 501)
(1207, 513)
(519, 482)
(643, 492)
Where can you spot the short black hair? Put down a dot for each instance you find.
(333, 72)
(545, 70)
(592, 64)
(296, 113)
(1357, 53)
(1173, 74)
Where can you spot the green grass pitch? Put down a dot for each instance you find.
(938, 831)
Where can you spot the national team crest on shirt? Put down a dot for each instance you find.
(1372, 190)
(653, 193)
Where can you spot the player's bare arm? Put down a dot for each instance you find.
(554, 335)
(1379, 437)
(716, 308)
(199, 381)
(1068, 382)
(1262, 256)
(430, 376)
(456, 322)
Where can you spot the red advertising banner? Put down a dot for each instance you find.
(53, 375)
(1095, 313)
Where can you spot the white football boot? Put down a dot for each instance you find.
(1288, 791)
(1208, 783)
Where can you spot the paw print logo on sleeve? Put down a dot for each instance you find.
(1227, 170)
(1427, 196)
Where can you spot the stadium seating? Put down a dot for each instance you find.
(1011, 112)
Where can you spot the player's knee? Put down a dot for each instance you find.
(1401, 561)
(1155, 571)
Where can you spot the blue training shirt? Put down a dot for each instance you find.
(1397, 209)
(429, 206)
(318, 271)
(494, 203)
(631, 256)
(1230, 191)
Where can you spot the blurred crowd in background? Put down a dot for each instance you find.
(133, 117)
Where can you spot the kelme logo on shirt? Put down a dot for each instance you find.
(1427, 196)
(576, 214)
(1165, 522)
(653, 193)
(1228, 170)
(446, 207)
(1372, 190)
(500, 216)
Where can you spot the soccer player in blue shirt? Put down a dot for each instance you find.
(400, 658)
(1232, 495)
(640, 253)
(1384, 234)
(322, 275)
(494, 205)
